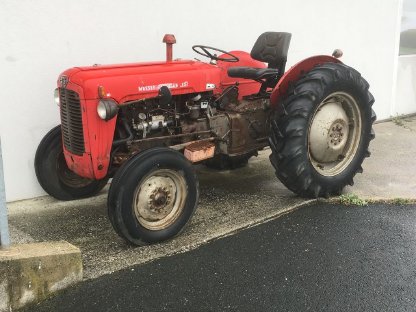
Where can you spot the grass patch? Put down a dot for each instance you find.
(401, 201)
(399, 120)
(352, 199)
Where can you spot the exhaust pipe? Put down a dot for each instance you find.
(169, 39)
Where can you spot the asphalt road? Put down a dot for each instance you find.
(318, 258)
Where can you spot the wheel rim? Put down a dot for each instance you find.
(160, 199)
(334, 134)
(67, 176)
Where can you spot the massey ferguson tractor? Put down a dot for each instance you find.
(145, 124)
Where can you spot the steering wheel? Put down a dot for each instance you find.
(204, 51)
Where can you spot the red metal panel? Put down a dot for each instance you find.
(98, 138)
(295, 72)
(81, 165)
(246, 86)
(142, 80)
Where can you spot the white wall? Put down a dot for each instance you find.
(405, 102)
(41, 38)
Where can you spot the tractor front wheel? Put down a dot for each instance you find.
(153, 196)
(54, 175)
(321, 136)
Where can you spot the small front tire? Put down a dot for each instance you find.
(54, 175)
(153, 196)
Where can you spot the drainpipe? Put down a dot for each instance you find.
(4, 224)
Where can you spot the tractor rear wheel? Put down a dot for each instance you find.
(54, 175)
(321, 136)
(153, 196)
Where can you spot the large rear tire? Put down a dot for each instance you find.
(54, 175)
(153, 196)
(321, 136)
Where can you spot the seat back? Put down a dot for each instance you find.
(272, 48)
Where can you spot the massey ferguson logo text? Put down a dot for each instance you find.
(170, 85)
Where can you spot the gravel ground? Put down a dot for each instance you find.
(225, 206)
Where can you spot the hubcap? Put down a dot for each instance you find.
(334, 134)
(160, 198)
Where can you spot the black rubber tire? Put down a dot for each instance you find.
(48, 154)
(225, 162)
(127, 179)
(289, 130)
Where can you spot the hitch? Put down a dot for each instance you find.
(169, 39)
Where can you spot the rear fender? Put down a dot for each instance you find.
(294, 73)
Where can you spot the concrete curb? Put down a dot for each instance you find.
(32, 272)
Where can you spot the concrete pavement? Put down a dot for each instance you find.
(390, 172)
(230, 200)
(33, 272)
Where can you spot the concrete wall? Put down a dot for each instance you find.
(41, 38)
(405, 102)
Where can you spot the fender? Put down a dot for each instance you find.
(294, 73)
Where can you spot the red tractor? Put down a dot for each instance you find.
(145, 124)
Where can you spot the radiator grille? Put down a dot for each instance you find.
(71, 121)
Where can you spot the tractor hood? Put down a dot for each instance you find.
(127, 82)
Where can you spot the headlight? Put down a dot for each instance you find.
(56, 97)
(107, 109)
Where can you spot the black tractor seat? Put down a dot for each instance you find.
(252, 72)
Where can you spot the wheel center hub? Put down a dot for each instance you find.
(334, 133)
(159, 199)
(156, 198)
(328, 133)
(337, 133)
